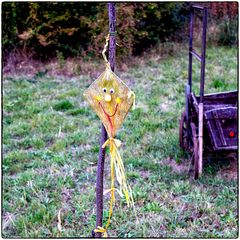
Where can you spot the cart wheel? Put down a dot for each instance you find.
(183, 141)
(195, 157)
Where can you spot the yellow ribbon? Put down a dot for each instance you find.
(132, 94)
(101, 230)
(117, 165)
(104, 51)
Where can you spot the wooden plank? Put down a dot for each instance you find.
(195, 54)
(227, 122)
(194, 101)
(219, 127)
(222, 113)
(200, 137)
(210, 132)
(187, 92)
(219, 94)
(230, 97)
(208, 107)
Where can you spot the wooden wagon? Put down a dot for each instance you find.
(209, 122)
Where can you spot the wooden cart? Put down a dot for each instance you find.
(209, 122)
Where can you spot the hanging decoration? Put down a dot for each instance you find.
(112, 99)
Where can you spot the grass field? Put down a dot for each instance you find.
(51, 144)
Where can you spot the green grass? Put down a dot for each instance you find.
(51, 144)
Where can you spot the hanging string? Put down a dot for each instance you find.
(104, 51)
(106, 45)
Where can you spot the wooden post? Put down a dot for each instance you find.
(101, 156)
(200, 138)
(99, 184)
(112, 32)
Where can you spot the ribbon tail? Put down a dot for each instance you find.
(117, 168)
(121, 178)
(101, 230)
(134, 99)
(105, 144)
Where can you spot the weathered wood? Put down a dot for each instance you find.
(195, 157)
(214, 115)
(112, 32)
(101, 156)
(220, 122)
(99, 184)
(210, 107)
(226, 112)
(220, 118)
(219, 129)
(200, 138)
(230, 97)
(194, 102)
